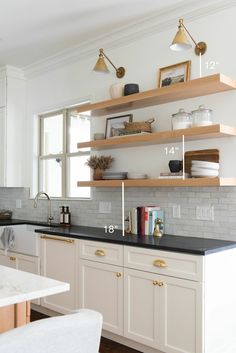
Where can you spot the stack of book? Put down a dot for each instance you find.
(178, 175)
(142, 219)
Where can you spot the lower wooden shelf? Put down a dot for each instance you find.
(160, 182)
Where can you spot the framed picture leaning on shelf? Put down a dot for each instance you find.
(172, 74)
(115, 125)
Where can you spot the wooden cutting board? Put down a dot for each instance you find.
(211, 155)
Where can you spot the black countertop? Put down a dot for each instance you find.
(183, 244)
(188, 245)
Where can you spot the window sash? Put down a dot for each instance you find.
(65, 155)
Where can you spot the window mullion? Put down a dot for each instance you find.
(65, 149)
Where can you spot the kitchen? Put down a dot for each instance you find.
(57, 82)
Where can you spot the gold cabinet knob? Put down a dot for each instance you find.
(118, 274)
(160, 284)
(159, 263)
(100, 253)
(154, 283)
(12, 258)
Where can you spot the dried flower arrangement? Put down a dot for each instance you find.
(100, 162)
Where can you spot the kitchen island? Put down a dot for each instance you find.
(17, 288)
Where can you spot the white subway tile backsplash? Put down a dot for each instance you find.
(85, 212)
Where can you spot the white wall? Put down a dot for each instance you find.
(142, 59)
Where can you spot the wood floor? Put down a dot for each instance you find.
(106, 346)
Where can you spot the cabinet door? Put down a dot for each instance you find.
(7, 260)
(181, 315)
(2, 92)
(141, 307)
(101, 289)
(2, 145)
(28, 264)
(59, 261)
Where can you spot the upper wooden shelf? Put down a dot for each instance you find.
(194, 133)
(160, 182)
(194, 88)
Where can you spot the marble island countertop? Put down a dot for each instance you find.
(18, 286)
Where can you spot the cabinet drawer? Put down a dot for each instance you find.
(101, 252)
(164, 262)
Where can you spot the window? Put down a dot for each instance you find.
(61, 164)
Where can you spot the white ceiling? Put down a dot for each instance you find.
(31, 30)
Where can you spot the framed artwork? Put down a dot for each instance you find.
(172, 74)
(115, 125)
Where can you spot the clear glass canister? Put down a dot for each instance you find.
(202, 116)
(181, 120)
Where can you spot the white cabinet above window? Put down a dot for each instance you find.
(12, 127)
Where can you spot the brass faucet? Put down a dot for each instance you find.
(50, 218)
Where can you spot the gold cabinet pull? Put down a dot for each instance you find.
(66, 240)
(12, 258)
(159, 263)
(100, 252)
(158, 283)
(118, 274)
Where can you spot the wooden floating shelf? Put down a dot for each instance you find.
(194, 88)
(160, 182)
(194, 133)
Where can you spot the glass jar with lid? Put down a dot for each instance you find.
(181, 120)
(202, 116)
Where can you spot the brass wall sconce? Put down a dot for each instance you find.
(181, 42)
(101, 66)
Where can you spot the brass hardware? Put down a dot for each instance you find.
(100, 252)
(180, 41)
(12, 258)
(118, 274)
(101, 66)
(158, 283)
(71, 241)
(159, 263)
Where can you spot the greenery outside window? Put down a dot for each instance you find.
(61, 164)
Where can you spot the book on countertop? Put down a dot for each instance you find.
(143, 219)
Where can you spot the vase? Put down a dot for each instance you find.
(97, 174)
(116, 90)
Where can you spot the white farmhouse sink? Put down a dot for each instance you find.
(26, 240)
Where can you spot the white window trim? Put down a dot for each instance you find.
(64, 156)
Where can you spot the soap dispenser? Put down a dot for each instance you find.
(67, 216)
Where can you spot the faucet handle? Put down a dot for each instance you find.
(50, 219)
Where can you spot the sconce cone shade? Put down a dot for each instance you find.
(180, 41)
(101, 66)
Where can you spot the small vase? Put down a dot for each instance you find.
(97, 174)
(116, 90)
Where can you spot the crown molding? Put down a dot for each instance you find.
(159, 22)
(12, 71)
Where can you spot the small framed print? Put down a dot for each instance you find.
(115, 125)
(173, 74)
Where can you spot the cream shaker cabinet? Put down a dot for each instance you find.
(101, 282)
(59, 261)
(101, 289)
(20, 262)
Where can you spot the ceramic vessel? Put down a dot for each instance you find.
(175, 166)
(116, 90)
(131, 88)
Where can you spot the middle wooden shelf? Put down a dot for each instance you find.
(194, 133)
